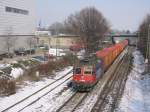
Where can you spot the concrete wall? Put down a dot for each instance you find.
(61, 42)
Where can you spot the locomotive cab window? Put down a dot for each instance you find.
(88, 70)
(77, 70)
(93, 73)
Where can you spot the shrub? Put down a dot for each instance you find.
(7, 70)
(7, 85)
(16, 65)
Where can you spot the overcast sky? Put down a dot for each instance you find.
(121, 14)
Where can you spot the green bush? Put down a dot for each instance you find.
(16, 65)
(25, 62)
(7, 70)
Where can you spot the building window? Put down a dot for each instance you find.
(15, 10)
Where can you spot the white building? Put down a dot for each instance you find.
(17, 17)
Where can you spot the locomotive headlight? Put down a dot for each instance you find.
(117, 41)
(82, 80)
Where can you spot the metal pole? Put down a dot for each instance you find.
(138, 36)
(56, 47)
(148, 49)
(56, 40)
(49, 39)
(146, 38)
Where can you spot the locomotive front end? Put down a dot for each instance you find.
(84, 78)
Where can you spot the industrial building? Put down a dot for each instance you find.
(59, 41)
(17, 17)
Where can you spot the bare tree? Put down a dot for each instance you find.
(57, 28)
(9, 40)
(90, 25)
(143, 34)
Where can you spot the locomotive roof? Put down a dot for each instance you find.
(90, 59)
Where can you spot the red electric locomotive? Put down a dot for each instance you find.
(88, 71)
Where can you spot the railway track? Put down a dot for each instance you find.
(119, 88)
(34, 97)
(113, 88)
(72, 103)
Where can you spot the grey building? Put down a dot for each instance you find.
(17, 17)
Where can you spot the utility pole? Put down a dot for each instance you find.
(137, 39)
(49, 42)
(56, 41)
(148, 49)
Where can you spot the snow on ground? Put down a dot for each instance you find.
(59, 74)
(52, 101)
(30, 88)
(136, 96)
(16, 72)
(4, 66)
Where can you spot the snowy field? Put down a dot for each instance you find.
(32, 87)
(136, 96)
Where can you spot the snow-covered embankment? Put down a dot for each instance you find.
(136, 96)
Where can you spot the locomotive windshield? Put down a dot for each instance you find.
(88, 70)
(77, 71)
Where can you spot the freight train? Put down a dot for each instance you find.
(88, 71)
